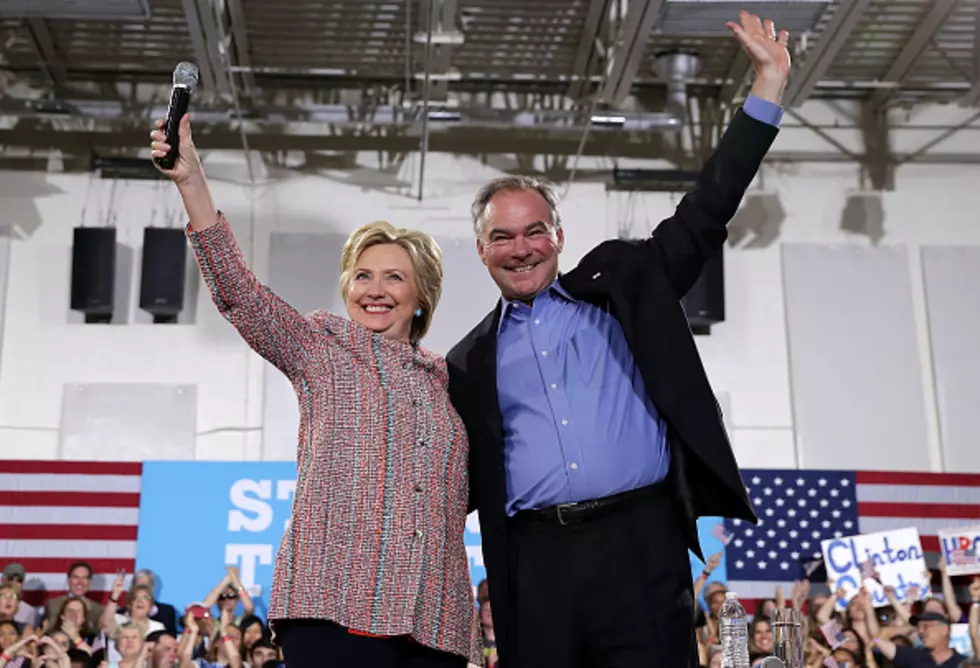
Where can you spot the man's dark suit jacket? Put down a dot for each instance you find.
(640, 283)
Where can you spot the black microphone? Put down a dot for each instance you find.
(185, 81)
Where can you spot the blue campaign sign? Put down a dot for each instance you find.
(196, 518)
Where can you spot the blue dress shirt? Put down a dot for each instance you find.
(578, 421)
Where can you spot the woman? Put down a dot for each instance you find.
(372, 569)
(71, 619)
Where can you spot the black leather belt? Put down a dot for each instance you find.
(584, 511)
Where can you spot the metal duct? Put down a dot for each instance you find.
(676, 69)
(339, 115)
(100, 10)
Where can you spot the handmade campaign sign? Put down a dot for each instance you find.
(876, 560)
(961, 550)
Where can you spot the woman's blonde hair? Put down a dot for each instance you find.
(423, 251)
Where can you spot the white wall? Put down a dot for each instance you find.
(43, 349)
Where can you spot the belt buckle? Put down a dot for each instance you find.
(561, 507)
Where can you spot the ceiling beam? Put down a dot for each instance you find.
(628, 51)
(931, 23)
(239, 34)
(971, 98)
(205, 37)
(586, 51)
(845, 18)
(47, 54)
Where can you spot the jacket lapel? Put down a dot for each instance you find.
(484, 364)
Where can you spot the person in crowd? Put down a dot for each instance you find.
(130, 643)
(162, 650)
(223, 653)
(164, 613)
(72, 621)
(227, 594)
(934, 632)
(596, 438)
(253, 630)
(372, 568)
(79, 583)
(9, 600)
(14, 574)
(261, 652)
(112, 622)
(490, 659)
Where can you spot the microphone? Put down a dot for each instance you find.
(185, 81)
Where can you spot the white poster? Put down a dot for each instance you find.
(961, 550)
(876, 560)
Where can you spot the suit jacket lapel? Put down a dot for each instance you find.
(484, 363)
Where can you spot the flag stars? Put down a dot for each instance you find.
(794, 555)
(848, 524)
(784, 566)
(844, 482)
(757, 501)
(781, 523)
(771, 533)
(748, 532)
(822, 482)
(778, 481)
(791, 513)
(761, 564)
(780, 502)
(767, 491)
(738, 542)
(805, 545)
(739, 564)
(834, 493)
(800, 482)
(793, 534)
(804, 524)
(846, 503)
(750, 554)
(756, 480)
(790, 491)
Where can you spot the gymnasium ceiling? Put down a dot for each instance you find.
(477, 76)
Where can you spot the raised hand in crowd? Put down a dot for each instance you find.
(24, 647)
(227, 594)
(52, 653)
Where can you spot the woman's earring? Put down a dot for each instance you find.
(418, 313)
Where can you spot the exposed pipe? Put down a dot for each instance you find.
(426, 87)
(337, 115)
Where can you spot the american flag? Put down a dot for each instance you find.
(799, 509)
(53, 513)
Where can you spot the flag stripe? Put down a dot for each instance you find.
(38, 597)
(80, 549)
(925, 510)
(912, 478)
(67, 531)
(68, 467)
(67, 515)
(51, 482)
(80, 499)
(922, 494)
(926, 527)
(61, 564)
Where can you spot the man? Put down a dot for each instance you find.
(162, 649)
(79, 583)
(14, 575)
(934, 631)
(595, 437)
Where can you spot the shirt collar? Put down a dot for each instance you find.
(555, 287)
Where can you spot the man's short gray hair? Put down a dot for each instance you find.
(543, 187)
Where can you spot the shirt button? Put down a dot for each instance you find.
(554, 387)
(564, 422)
(574, 466)
(537, 321)
(544, 353)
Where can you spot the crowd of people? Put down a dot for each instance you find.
(130, 628)
(841, 633)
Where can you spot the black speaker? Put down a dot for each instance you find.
(93, 272)
(163, 274)
(704, 303)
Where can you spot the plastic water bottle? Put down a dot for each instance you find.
(733, 630)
